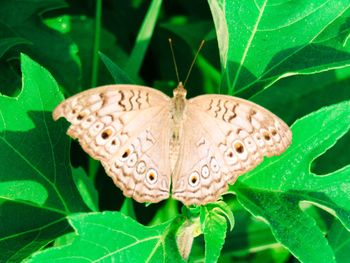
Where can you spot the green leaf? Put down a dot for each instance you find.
(128, 208)
(276, 255)
(213, 218)
(207, 58)
(9, 39)
(112, 237)
(168, 211)
(184, 30)
(65, 239)
(303, 94)
(249, 235)
(119, 75)
(36, 186)
(223, 208)
(50, 48)
(86, 188)
(261, 41)
(143, 39)
(82, 32)
(275, 189)
(214, 230)
(339, 240)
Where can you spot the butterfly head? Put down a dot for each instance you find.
(180, 91)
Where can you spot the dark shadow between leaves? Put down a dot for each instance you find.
(335, 158)
(294, 97)
(41, 155)
(10, 78)
(308, 59)
(303, 59)
(245, 77)
(25, 229)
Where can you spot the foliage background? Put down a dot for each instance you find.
(292, 60)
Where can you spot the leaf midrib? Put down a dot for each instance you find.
(245, 53)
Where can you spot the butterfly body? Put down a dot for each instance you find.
(147, 141)
(177, 111)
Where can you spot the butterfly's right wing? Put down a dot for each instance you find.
(223, 137)
(126, 127)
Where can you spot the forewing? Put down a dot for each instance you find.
(126, 127)
(223, 138)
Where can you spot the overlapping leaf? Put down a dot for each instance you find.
(9, 39)
(262, 41)
(275, 189)
(113, 237)
(36, 186)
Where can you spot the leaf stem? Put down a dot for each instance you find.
(93, 165)
(97, 34)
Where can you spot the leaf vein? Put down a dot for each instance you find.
(54, 187)
(250, 40)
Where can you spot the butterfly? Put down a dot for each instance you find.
(149, 143)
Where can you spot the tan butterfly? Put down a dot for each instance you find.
(147, 141)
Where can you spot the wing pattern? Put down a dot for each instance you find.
(224, 137)
(126, 128)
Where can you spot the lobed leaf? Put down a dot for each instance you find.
(36, 186)
(112, 236)
(275, 189)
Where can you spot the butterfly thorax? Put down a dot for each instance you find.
(179, 102)
(177, 113)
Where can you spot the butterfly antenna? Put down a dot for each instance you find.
(193, 61)
(174, 60)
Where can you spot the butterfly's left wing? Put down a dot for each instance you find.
(223, 137)
(126, 127)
